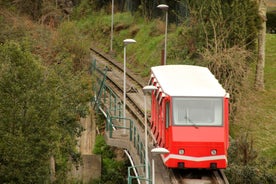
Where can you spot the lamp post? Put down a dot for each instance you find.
(165, 8)
(111, 34)
(146, 90)
(157, 151)
(126, 42)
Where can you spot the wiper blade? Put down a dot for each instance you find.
(192, 122)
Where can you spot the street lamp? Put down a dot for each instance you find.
(157, 151)
(111, 34)
(126, 42)
(165, 8)
(146, 90)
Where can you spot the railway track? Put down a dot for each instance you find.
(191, 176)
(114, 80)
(134, 104)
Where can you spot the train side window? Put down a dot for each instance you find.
(167, 114)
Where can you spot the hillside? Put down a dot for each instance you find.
(68, 42)
(271, 3)
(257, 114)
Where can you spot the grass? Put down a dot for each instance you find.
(257, 113)
(144, 54)
(267, 108)
(270, 67)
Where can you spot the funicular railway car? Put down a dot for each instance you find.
(189, 116)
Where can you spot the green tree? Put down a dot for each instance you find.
(26, 117)
(259, 78)
(113, 171)
(39, 112)
(224, 24)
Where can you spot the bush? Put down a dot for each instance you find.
(113, 171)
(271, 22)
(101, 148)
(253, 174)
(245, 166)
(70, 44)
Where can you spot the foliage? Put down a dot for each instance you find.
(39, 116)
(229, 66)
(52, 95)
(244, 164)
(27, 116)
(271, 21)
(5, 3)
(70, 44)
(253, 174)
(101, 148)
(84, 9)
(74, 93)
(30, 7)
(10, 30)
(232, 22)
(113, 171)
(242, 150)
(51, 14)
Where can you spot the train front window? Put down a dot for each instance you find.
(197, 111)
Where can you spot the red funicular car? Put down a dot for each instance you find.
(190, 116)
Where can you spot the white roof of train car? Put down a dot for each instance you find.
(187, 80)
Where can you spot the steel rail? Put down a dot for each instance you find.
(119, 66)
(131, 104)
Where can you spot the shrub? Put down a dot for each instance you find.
(271, 22)
(245, 166)
(113, 171)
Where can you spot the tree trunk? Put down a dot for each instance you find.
(259, 80)
(52, 169)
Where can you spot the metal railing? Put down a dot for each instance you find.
(108, 103)
(132, 177)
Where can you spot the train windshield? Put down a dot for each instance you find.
(197, 111)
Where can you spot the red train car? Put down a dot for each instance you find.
(189, 116)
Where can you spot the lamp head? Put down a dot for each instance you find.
(129, 41)
(160, 150)
(163, 7)
(149, 89)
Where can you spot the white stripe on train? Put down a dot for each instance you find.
(196, 159)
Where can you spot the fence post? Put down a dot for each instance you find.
(134, 137)
(130, 130)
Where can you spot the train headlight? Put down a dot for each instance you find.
(181, 151)
(213, 152)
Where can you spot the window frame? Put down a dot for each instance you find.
(191, 123)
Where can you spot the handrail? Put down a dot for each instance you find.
(131, 177)
(112, 113)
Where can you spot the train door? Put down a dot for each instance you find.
(154, 114)
(167, 122)
(160, 123)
